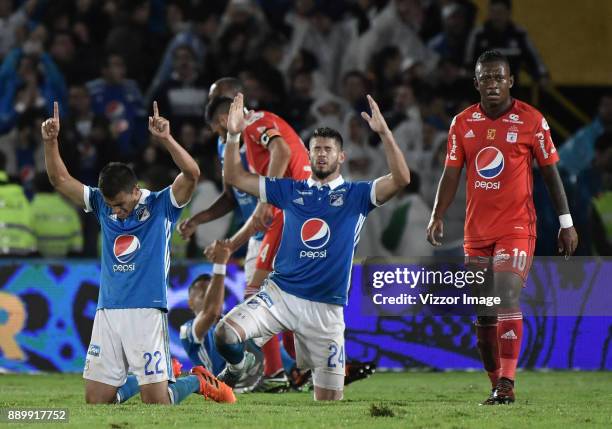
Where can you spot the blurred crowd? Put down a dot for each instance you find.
(310, 61)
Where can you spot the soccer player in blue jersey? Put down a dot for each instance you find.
(323, 217)
(131, 325)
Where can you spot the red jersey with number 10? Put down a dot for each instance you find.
(261, 128)
(498, 154)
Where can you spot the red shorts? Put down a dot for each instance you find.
(509, 254)
(271, 242)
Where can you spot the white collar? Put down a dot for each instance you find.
(144, 193)
(332, 185)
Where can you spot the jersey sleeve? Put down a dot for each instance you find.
(264, 130)
(92, 197)
(187, 334)
(455, 155)
(275, 191)
(172, 208)
(366, 192)
(542, 146)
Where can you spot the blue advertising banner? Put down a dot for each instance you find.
(47, 311)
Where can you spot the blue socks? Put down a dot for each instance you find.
(183, 387)
(232, 353)
(129, 389)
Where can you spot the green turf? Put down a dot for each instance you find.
(562, 400)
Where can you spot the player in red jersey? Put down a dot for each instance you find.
(273, 149)
(497, 140)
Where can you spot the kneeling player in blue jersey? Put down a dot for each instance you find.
(130, 328)
(309, 285)
(206, 295)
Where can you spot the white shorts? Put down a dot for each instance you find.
(129, 340)
(318, 330)
(251, 259)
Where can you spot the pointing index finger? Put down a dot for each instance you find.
(155, 110)
(55, 110)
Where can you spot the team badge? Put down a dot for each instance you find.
(143, 214)
(336, 200)
(489, 162)
(315, 233)
(512, 137)
(126, 247)
(491, 134)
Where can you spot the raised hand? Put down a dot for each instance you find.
(186, 229)
(51, 127)
(159, 126)
(219, 251)
(235, 118)
(376, 122)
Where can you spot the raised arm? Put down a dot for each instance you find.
(447, 188)
(567, 238)
(389, 185)
(186, 181)
(59, 177)
(234, 172)
(213, 300)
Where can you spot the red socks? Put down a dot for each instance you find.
(509, 337)
(487, 346)
(288, 343)
(272, 357)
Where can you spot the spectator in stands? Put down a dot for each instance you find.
(76, 62)
(363, 160)
(386, 68)
(601, 209)
(13, 23)
(28, 149)
(29, 79)
(451, 42)
(55, 222)
(501, 34)
(355, 87)
(301, 96)
(577, 153)
(184, 94)
(404, 119)
(16, 237)
(398, 24)
(120, 101)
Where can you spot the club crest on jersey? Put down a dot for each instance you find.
(491, 134)
(512, 135)
(489, 162)
(315, 233)
(142, 214)
(126, 247)
(336, 200)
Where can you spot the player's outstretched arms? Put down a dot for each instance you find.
(223, 205)
(219, 254)
(389, 185)
(234, 172)
(567, 239)
(447, 188)
(56, 169)
(186, 181)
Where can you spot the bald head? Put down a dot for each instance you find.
(225, 87)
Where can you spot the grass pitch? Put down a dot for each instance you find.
(391, 400)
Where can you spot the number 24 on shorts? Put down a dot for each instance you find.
(333, 352)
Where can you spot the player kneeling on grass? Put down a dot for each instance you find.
(131, 324)
(206, 295)
(323, 217)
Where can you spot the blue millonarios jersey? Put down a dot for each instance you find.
(135, 251)
(201, 352)
(320, 232)
(246, 202)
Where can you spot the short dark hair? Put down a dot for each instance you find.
(506, 3)
(201, 278)
(228, 85)
(116, 177)
(328, 133)
(492, 56)
(216, 104)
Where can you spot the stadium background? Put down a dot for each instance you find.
(47, 306)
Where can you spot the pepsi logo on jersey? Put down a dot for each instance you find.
(489, 164)
(315, 234)
(125, 248)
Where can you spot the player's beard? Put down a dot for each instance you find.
(323, 173)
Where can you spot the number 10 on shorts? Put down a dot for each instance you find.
(335, 355)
